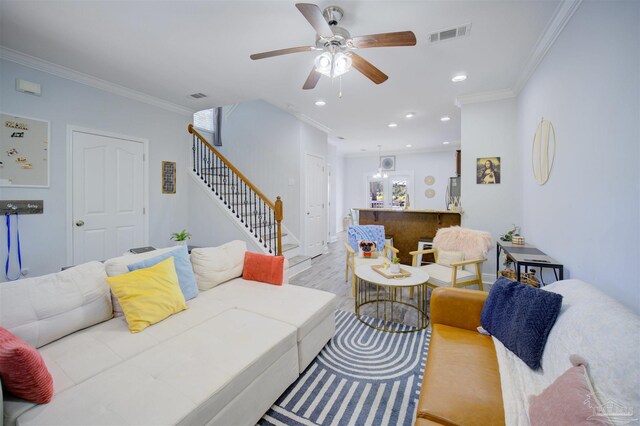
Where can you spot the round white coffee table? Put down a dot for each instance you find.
(388, 294)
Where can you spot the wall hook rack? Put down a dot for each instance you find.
(22, 206)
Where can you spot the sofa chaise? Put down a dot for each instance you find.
(223, 361)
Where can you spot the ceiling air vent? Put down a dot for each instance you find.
(198, 95)
(449, 33)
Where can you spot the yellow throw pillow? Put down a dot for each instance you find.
(148, 295)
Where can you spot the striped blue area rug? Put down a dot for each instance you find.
(362, 377)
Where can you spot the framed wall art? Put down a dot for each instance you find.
(388, 163)
(168, 177)
(24, 151)
(488, 170)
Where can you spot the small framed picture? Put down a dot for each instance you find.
(388, 162)
(168, 177)
(488, 170)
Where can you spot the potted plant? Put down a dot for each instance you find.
(394, 268)
(181, 237)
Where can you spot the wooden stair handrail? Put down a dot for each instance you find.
(277, 207)
(232, 167)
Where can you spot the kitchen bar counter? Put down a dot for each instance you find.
(408, 226)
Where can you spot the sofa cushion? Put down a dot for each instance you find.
(186, 278)
(264, 268)
(203, 368)
(521, 317)
(462, 372)
(42, 309)
(22, 369)
(303, 308)
(148, 295)
(215, 265)
(120, 265)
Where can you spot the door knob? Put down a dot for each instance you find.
(80, 223)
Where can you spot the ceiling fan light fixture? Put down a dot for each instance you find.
(341, 64)
(323, 63)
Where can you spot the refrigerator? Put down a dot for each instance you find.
(453, 190)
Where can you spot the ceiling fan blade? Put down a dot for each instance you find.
(367, 68)
(281, 52)
(313, 14)
(403, 38)
(312, 80)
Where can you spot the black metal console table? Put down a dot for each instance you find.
(527, 255)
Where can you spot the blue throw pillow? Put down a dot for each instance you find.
(521, 317)
(186, 278)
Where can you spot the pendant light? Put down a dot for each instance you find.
(379, 173)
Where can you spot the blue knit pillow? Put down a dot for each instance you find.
(186, 277)
(521, 317)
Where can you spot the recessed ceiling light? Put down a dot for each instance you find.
(445, 143)
(409, 115)
(320, 103)
(458, 78)
(392, 125)
(409, 145)
(445, 118)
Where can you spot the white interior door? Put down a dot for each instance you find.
(108, 196)
(315, 225)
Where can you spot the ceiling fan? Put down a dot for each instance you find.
(338, 46)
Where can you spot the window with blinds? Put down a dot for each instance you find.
(203, 120)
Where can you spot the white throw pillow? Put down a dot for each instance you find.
(446, 258)
(215, 265)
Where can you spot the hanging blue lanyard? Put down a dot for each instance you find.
(6, 267)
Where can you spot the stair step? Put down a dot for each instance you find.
(287, 247)
(297, 259)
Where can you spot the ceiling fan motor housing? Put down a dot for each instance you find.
(333, 15)
(339, 39)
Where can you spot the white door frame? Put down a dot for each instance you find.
(303, 200)
(69, 167)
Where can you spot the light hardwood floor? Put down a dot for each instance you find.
(328, 273)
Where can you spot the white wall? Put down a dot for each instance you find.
(489, 130)
(588, 214)
(65, 102)
(335, 163)
(440, 165)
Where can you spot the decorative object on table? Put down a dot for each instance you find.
(367, 248)
(508, 236)
(394, 268)
(543, 151)
(517, 240)
(387, 273)
(429, 180)
(455, 204)
(168, 177)
(429, 193)
(24, 151)
(488, 170)
(357, 368)
(388, 163)
(528, 278)
(181, 237)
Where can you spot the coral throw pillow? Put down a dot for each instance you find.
(22, 370)
(148, 295)
(263, 268)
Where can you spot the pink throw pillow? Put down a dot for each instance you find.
(22, 369)
(569, 400)
(263, 268)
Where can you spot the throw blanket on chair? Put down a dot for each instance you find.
(474, 244)
(373, 233)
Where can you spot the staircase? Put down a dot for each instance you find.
(251, 211)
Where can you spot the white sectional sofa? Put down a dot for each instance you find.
(223, 361)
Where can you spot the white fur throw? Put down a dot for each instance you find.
(474, 244)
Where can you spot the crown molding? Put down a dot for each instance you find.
(474, 98)
(86, 79)
(448, 148)
(311, 121)
(562, 15)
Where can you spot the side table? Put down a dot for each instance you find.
(527, 255)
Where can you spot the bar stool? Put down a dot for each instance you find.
(424, 243)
